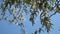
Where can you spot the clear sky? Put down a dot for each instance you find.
(7, 28)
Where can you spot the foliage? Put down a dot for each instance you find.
(45, 7)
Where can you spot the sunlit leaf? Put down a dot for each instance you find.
(18, 7)
(53, 0)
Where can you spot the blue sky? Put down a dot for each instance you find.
(7, 28)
